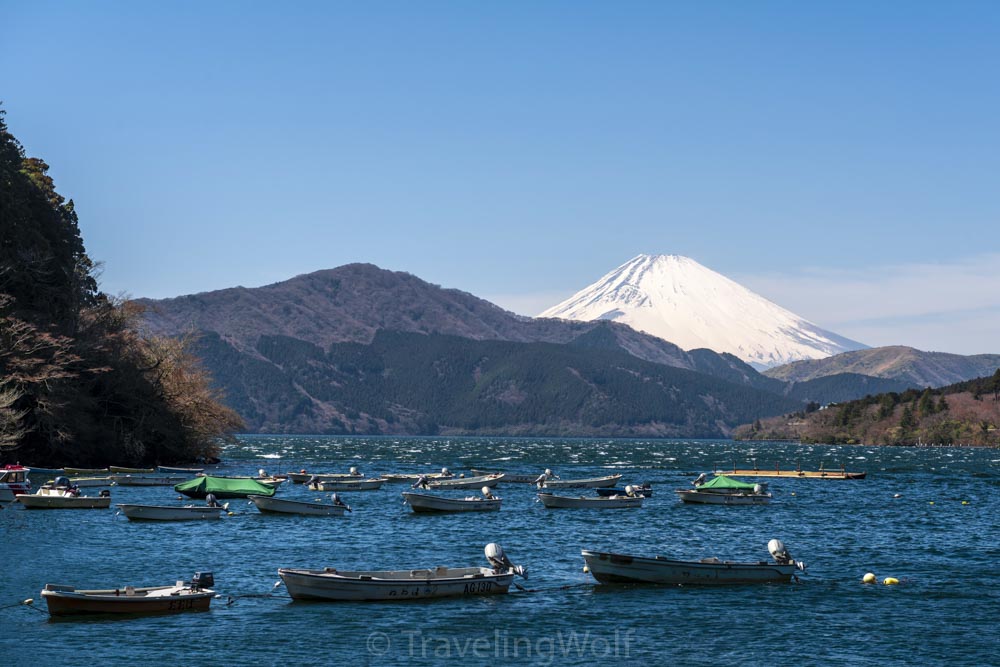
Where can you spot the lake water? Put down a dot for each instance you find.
(941, 538)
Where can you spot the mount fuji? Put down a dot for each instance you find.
(679, 300)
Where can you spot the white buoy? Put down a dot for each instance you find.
(868, 578)
(586, 568)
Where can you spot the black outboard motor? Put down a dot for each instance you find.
(202, 580)
(61, 482)
(105, 493)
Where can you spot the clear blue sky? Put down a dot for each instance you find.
(832, 157)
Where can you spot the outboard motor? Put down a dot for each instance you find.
(498, 559)
(61, 482)
(700, 479)
(105, 493)
(202, 580)
(211, 500)
(780, 554)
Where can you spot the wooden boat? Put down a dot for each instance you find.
(721, 490)
(464, 483)
(183, 471)
(508, 478)
(118, 470)
(223, 487)
(193, 596)
(148, 480)
(589, 483)
(62, 498)
(13, 480)
(797, 473)
(615, 568)
(425, 503)
(281, 506)
(86, 471)
(588, 502)
(170, 512)
(644, 490)
(348, 485)
(302, 476)
(331, 584)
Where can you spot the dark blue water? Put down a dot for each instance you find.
(940, 538)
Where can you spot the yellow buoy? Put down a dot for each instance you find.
(931, 502)
(965, 502)
(230, 514)
(29, 601)
(890, 581)
(868, 578)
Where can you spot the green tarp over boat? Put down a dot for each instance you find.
(723, 483)
(223, 487)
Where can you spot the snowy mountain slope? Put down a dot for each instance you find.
(679, 300)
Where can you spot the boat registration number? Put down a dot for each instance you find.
(479, 587)
(180, 605)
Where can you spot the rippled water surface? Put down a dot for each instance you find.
(939, 537)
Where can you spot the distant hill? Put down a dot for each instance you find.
(314, 315)
(914, 367)
(352, 302)
(403, 382)
(966, 413)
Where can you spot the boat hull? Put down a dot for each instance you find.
(508, 478)
(393, 585)
(709, 498)
(423, 503)
(466, 483)
(303, 477)
(797, 474)
(119, 470)
(645, 492)
(281, 506)
(590, 483)
(36, 501)
(168, 513)
(349, 485)
(148, 480)
(565, 502)
(620, 569)
(66, 601)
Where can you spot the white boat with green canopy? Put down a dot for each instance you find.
(722, 490)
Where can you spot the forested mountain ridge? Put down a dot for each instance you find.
(966, 413)
(78, 385)
(404, 382)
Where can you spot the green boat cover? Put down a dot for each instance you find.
(223, 487)
(723, 483)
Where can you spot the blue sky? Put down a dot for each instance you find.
(842, 159)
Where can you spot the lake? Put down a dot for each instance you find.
(940, 537)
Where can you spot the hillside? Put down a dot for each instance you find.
(914, 367)
(405, 382)
(966, 413)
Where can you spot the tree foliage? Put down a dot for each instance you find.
(78, 384)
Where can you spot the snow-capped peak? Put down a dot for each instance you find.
(677, 299)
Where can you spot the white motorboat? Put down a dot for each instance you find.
(462, 483)
(586, 483)
(413, 477)
(13, 480)
(508, 478)
(589, 502)
(425, 503)
(281, 506)
(332, 584)
(62, 498)
(348, 485)
(171, 512)
(303, 477)
(170, 470)
(84, 482)
(620, 568)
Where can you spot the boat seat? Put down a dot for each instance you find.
(331, 570)
(421, 574)
(442, 570)
(130, 590)
(713, 559)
